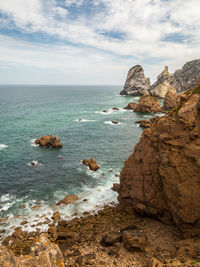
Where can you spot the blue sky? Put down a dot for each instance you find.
(94, 42)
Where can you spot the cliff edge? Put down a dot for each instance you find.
(162, 176)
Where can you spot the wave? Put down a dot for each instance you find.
(111, 123)
(33, 142)
(84, 120)
(2, 146)
(33, 163)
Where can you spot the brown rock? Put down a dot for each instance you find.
(36, 207)
(49, 141)
(115, 122)
(68, 199)
(87, 259)
(115, 187)
(161, 177)
(131, 106)
(132, 241)
(115, 108)
(24, 222)
(154, 263)
(111, 238)
(56, 216)
(91, 163)
(148, 104)
(170, 101)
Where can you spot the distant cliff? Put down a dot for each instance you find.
(137, 84)
(162, 176)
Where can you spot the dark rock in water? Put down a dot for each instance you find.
(115, 108)
(115, 187)
(49, 141)
(91, 163)
(148, 104)
(186, 78)
(133, 241)
(105, 111)
(68, 199)
(136, 83)
(111, 238)
(161, 177)
(162, 86)
(115, 122)
(131, 106)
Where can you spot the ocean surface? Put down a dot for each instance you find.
(28, 112)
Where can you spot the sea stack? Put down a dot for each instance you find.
(49, 141)
(162, 176)
(136, 83)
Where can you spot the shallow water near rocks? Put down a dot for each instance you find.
(75, 114)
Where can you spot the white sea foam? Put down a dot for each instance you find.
(106, 112)
(33, 142)
(2, 146)
(111, 123)
(33, 163)
(84, 120)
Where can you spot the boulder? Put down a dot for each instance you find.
(161, 177)
(136, 83)
(115, 122)
(43, 253)
(68, 199)
(148, 104)
(111, 238)
(131, 106)
(115, 108)
(170, 101)
(49, 141)
(133, 241)
(56, 216)
(162, 86)
(91, 163)
(186, 77)
(115, 187)
(154, 263)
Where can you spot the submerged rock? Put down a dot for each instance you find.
(161, 177)
(136, 83)
(68, 199)
(49, 141)
(115, 122)
(115, 108)
(162, 86)
(148, 104)
(91, 163)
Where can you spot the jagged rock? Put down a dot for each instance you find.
(43, 253)
(170, 101)
(115, 187)
(136, 83)
(155, 263)
(161, 177)
(148, 104)
(111, 238)
(56, 215)
(49, 141)
(68, 199)
(91, 163)
(162, 86)
(131, 106)
(133, 241)
(185, 78)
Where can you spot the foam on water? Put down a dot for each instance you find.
(33, 142)
(84, 120)
(110, 123)
(2, 146)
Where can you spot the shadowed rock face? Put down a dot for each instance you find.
(186, 77)
(136, 83)
(170, 101)
(162, 177)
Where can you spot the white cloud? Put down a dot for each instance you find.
(143, 24)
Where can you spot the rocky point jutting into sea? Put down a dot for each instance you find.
(157, 220)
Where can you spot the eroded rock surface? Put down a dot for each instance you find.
(136, 83)
(148, 104)
(68, 199)
(162, 177)
(170, 100)
(49, 141)
(91, 163)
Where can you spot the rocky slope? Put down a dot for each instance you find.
(162, 177)
(136, 83)
(186, 77)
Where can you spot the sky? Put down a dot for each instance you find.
(94, 42)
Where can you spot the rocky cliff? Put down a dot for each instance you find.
(162, 176)
(136, 83)
(186, 77)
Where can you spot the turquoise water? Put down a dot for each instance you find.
(28, 112)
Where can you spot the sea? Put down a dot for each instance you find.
(76, 114)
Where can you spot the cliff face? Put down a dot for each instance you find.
(136, 83)
(162, 176)
(186, 77)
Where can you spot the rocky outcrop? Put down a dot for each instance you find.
(170, 100)
(136, 83)
(147, 123)
(185, 78)
(68, 199)
(162, 86)
(49, 141)
(131, 105)
(162, 176)
(43, 253)
(91, 163)
(148, 104)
